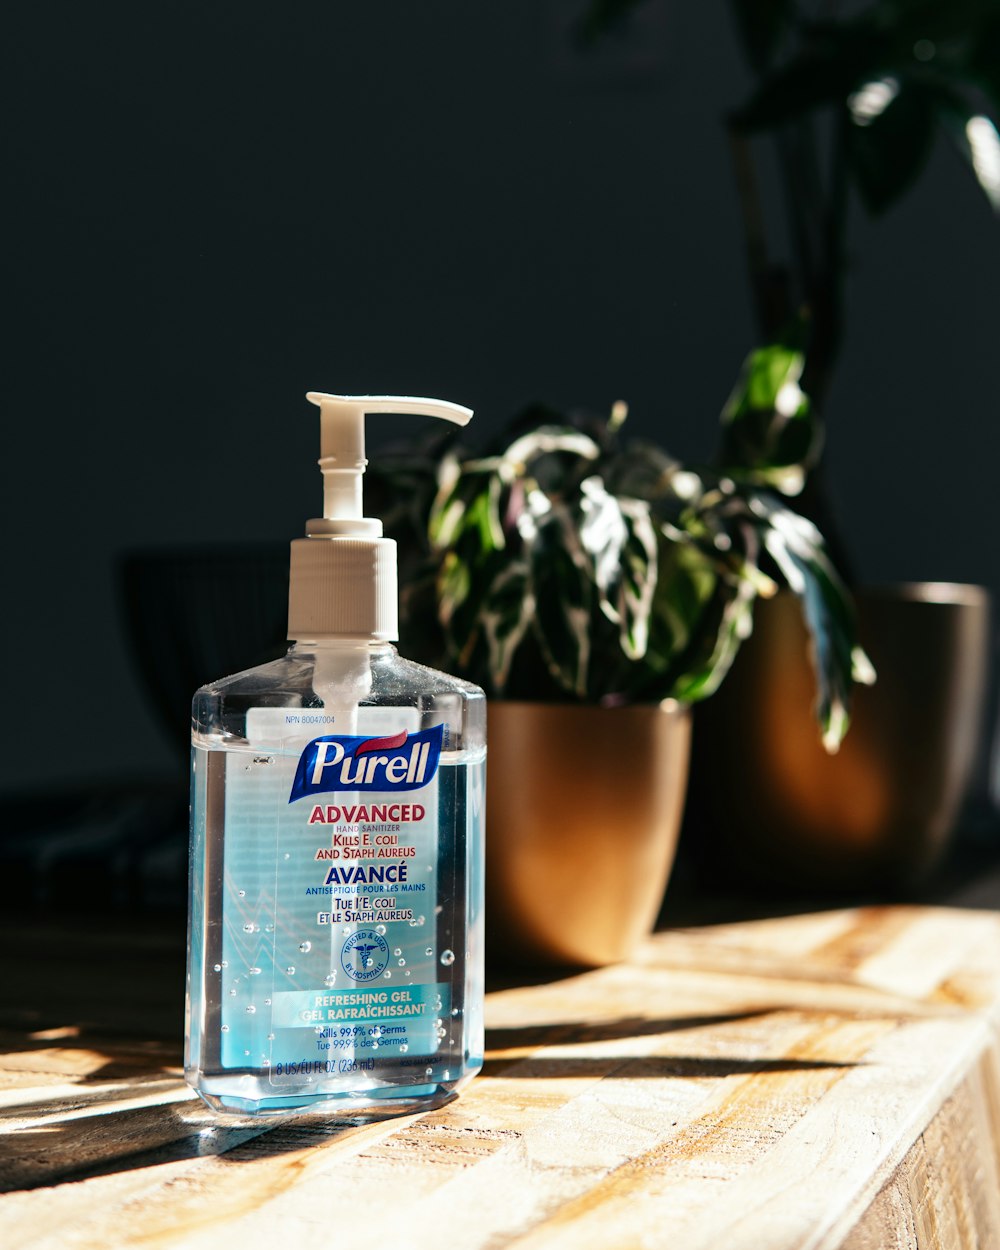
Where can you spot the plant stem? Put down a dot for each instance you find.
(768, 282)
(827, 299)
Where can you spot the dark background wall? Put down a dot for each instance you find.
(213, 208)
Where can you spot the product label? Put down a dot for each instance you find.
(330, 894)
(399, 762)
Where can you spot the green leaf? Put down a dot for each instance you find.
(506, 614)
(619, 538)
(889, 145)
(770, 432)
(733, 621)
(603, 535)
(825, 71)
(683, 624)
(562, 591)
(463, 584)
(685, 586)
(484, 514)
(454, 584)
(468, 497)
(797, 548)
(975, 135)
(546, 441)
(639, 572)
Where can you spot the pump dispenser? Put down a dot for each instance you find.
(343, 573)
(335, 941)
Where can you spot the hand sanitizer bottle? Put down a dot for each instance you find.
(335, 950)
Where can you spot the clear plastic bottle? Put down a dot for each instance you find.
(335, 954)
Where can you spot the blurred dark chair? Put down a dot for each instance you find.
(197, 614)
(121, 843)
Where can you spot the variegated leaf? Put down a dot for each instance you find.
(505, 615)
(546, 440)
(726, 621)
(562, 591)
(603, 535)
(638, 574)
(466, 500)
(797, 548)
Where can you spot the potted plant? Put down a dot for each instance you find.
(595, 588)
(851, 100)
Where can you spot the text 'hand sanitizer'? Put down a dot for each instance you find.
(335, 953)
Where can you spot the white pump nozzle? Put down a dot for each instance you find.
(343, 574)
(342, 450)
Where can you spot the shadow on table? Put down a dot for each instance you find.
(82, 1142)
(652, 1066)
(572, 1032)
(500, 1062)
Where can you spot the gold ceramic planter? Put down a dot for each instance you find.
(878, 813)
(583, 811)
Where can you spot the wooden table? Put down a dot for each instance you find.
(824, 1080)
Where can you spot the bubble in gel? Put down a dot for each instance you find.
(380, 930)
(402, 963)
(269, 928)
(246, 1053)
(387, 975)
(225, 1028)
(305, 947)
(407, 973)
(270, 1037)
(429, 951)
(267, 1002)
(428, 1071)
(403, 1048)
(218, 967)
(251, 1010)
(254, 972)
(232, 993)
(329, 979)
(376, 1031)
(290, 970)
(288, 855)
(242, 893)
(420, 921)
(224, 964)
(265, 1062)
(447, 957)
(398, 950)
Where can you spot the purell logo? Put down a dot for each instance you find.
(401, 762)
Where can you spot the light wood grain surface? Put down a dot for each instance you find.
(826, 1080)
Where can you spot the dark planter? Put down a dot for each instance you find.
(880, 812)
